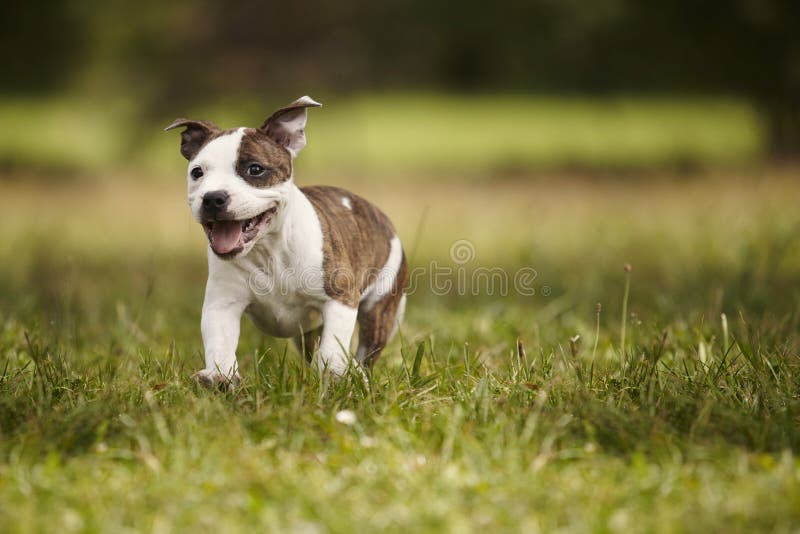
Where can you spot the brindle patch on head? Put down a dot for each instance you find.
(258, 148)
(196, 135)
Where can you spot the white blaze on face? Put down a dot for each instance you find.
(346, 203)
(218, 161)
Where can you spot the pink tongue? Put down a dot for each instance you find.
(225, 236)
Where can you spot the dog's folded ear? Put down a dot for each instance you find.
(287, 125)
(194, 136)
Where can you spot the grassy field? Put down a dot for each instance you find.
(492, 411)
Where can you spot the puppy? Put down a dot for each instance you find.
(301, 262)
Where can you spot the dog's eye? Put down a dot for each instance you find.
(196, 173)
(256, 170)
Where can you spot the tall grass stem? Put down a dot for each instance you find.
(625, 307)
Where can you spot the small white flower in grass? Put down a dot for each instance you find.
(346, 417)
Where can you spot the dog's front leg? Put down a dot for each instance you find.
(220, 327)
(338, 323)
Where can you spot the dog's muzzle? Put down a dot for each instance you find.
(228, 237)
(214, 204)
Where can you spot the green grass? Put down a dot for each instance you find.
(402, 135)
(63, 134)
(488, 414)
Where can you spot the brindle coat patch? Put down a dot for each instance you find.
(355, 241)
(258, 147)
(375, 325)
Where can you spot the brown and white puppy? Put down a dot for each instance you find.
(307, 263)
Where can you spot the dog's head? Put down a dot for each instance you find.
(239, 180)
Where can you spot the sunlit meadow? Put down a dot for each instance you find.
(521, 410)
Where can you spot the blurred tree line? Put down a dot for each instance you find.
(164, 52)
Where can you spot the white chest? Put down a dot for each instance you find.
(280, 282)
(286, 295)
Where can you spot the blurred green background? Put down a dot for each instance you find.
(410, 87)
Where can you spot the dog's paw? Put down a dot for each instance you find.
(212, 378)
(343, 370)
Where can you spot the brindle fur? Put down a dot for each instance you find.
(376, 324)
(355, 248)
(356, 241)
(258, 147)
(196, 135)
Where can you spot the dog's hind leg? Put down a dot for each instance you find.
(308, 343)
(379, 322)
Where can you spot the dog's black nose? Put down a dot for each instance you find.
(215, 201)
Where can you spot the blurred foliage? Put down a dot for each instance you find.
(405, 136)
(187, 52)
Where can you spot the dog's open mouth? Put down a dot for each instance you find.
(228, 238)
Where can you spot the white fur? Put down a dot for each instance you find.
(218, 161)
(384, 282)
(399, 315)
(279, 284)
(346, 203)
(334, 344)
(278, 279)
